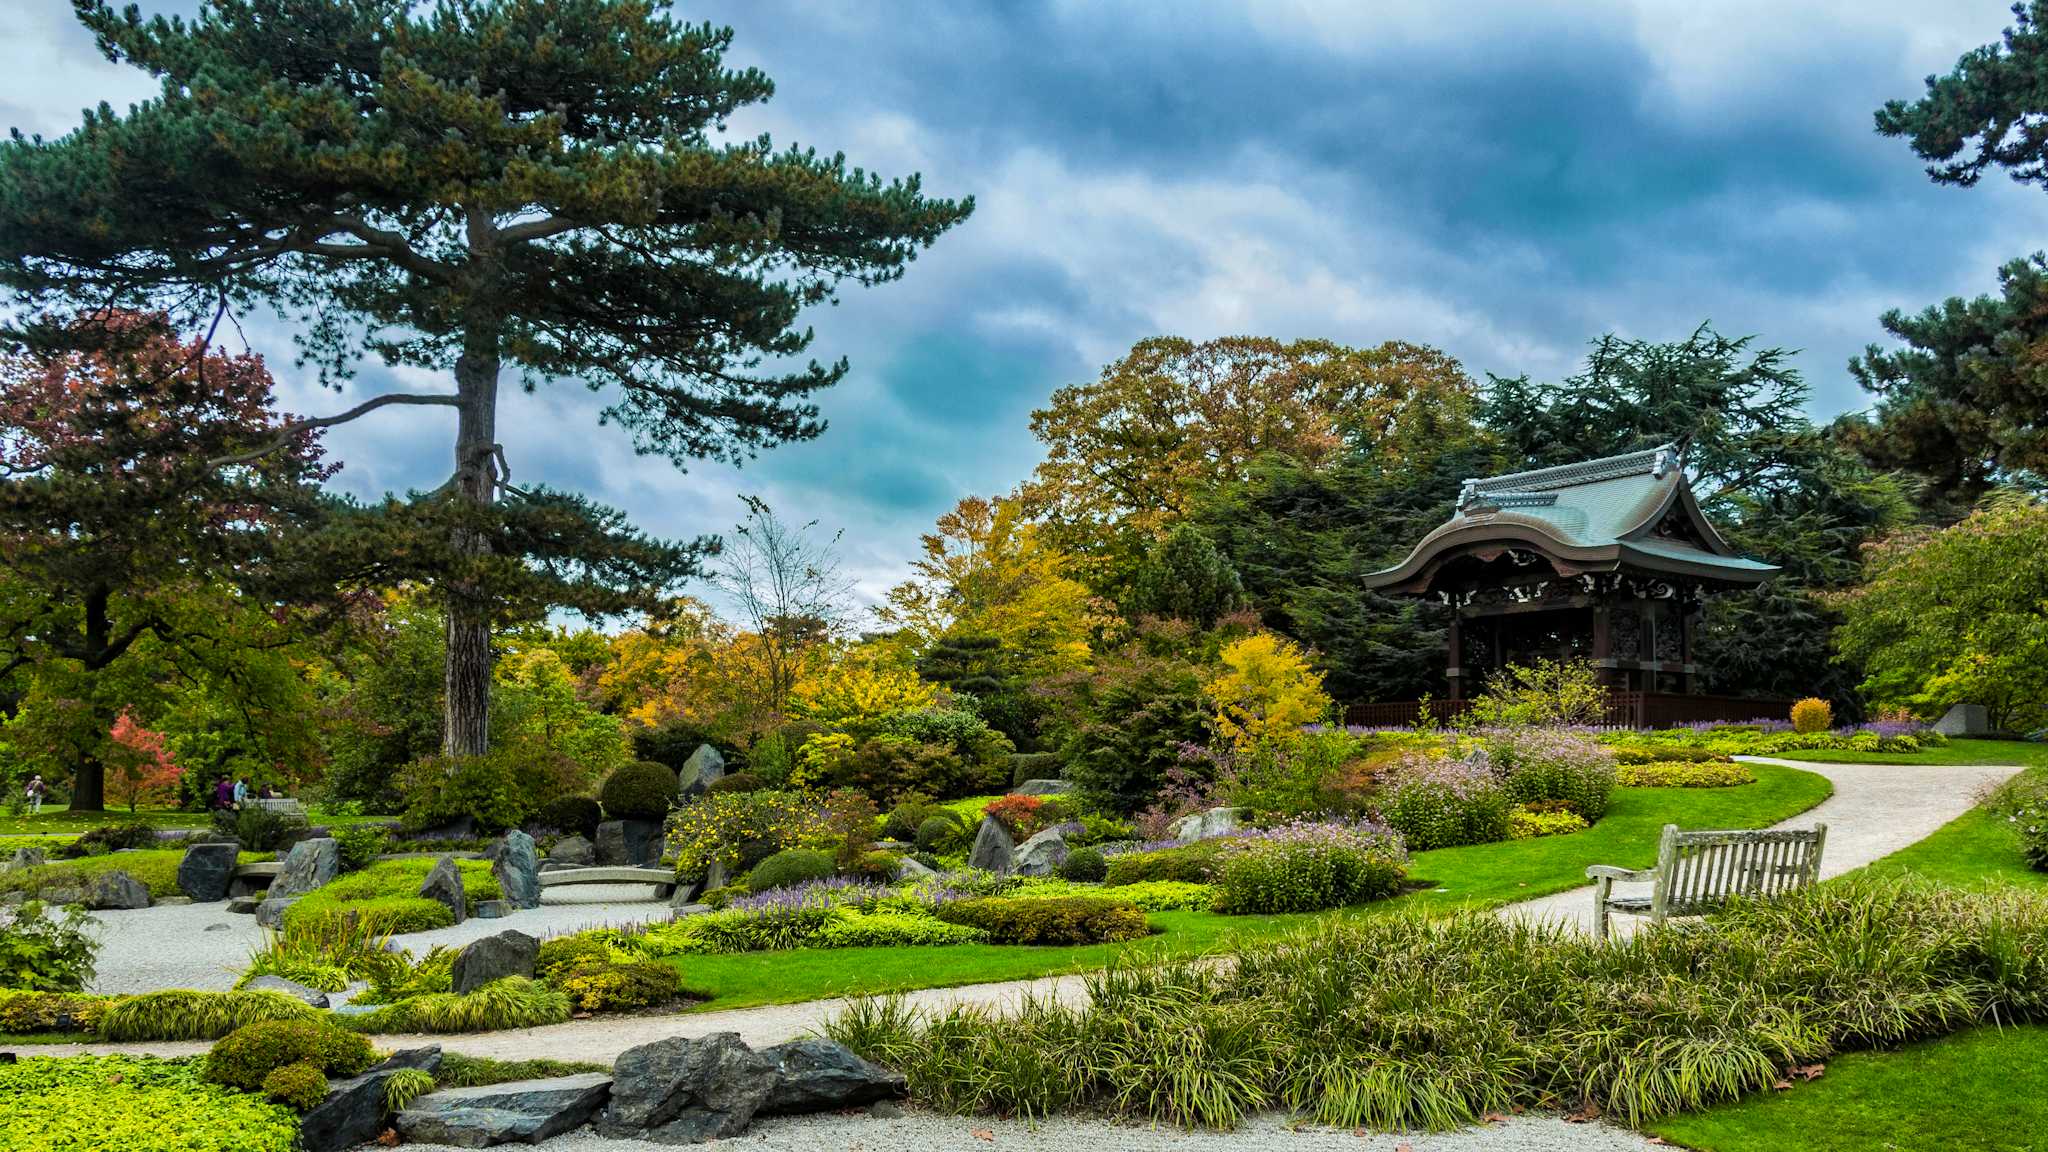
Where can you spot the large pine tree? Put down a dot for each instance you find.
(470, 186)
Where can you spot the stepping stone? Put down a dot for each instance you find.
(523, 1111)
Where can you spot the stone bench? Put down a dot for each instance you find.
(664, 881)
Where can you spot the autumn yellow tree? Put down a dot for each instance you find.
(1265, 689)
(987, 571)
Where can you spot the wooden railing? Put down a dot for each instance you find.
(1622, 710)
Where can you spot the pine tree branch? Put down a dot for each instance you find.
(536, 230)
(376, 242)
(291, 431)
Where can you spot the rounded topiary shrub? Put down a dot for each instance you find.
(735, 782)
(642, 790)
(1812, 715)
(578, 814)
(790, 866)
(1085, 865)
(938, 833)
(297, 1086)
(246, 1056)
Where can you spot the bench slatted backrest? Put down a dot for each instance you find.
(1698, 871)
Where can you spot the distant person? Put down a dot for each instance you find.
(223, 793)
(241, 791)
(35, 792)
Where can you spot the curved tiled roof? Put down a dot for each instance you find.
(1594, 516)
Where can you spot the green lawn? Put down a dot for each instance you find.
(1481, 875)
(1985, 1090)
(57, 820)
(2025, 752)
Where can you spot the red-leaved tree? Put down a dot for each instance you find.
(139, 763)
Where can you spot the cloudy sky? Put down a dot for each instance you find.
(1505, 180)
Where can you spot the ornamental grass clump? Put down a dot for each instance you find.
(1541, 765)
(180, 1014)
(1307, 867)
(1436, 802)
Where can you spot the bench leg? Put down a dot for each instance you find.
(1601, 888)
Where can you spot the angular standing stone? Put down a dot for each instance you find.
(684, 1091)
(310, 864)
(1207, 825)
(517, 868)
(636, 843)
(494, 909)
(1042, 788)
(819, 1075)
(206, 870)
(573, 850)
(353, 1112)
(443, 885)
(509, 953)
(909, 869)
(994, 850)
(1964, 720)
(522, 1111)
(270, 911)
(25, 858)
(116, 890)
(291, 988)
(704, 765)
(1041, 855)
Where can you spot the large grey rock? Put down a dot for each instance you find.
(704, 765)
(509, 953)
(291, 988)
(994, 850)
(207, 869)
(686, 1091)
(244, 905)
(1964, 720)
(819, 1075)
(629, 842)
(115, 890)
(522, 1111)
(1041, 855)
(1208, 825)
(443, 885)
(1043, 788)
(270, 911)
(310, 864)
(908, 869)
(517, 868)
(353, 1112)
(573, 850)
(25, 858)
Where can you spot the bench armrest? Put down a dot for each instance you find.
(1610, 872)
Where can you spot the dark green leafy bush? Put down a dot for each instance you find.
(42, 952)
(791, 866)
(910, 812)
(297, 1086)
(1057, 920)
(112, 838)
(1034, 766)
(1189, 863)
(259, 829)
(570, 814)
(1085, 865)
(360, 846)
(498, 789)
(642, 790)
(736, 782)
(941, 832)
(248, 1054)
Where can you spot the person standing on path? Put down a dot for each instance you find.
(223, 793)
(241, 791)
(35, 792)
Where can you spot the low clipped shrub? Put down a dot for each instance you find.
(359, 846)
(252, 1052)
(259, 829)
(26, 1013)
(1435, 802)
(1034, 766)
(736, 782)
(1626, 754)
(1168, 895)
(1308, 867)
(570, 814)
(790, 866)
(1526, 823)
(105, 838)
(941, 832)
(383, 898)
(131, 1103)
(604, 984)
(1683, 774)
(909, 812)
(297, 1086)
(642, 790)
(1085, 865)
(1812, 715)
(1187, 863)
(1550, 764)
(893, 930)
(182, 1014)
(513, 1002)
(1061, 920)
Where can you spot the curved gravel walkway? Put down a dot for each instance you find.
(1876, 810)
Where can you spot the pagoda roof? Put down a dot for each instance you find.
(1629, 513)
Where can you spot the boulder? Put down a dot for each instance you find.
(291, 988)
(636, 843)
(685, 894)
(574, 851)
(443, 885)
(819, 1075)
(908, 869)
(353, 1112)
(517, 868)
(686, 1091)
(1207, 825)
(704, 765)
(115, 890)
(270, 910)
(1043, 788)
(994, 850)
(495, 909)
(522, 1111)
(1041, 855)
(509, 953)
(207, 869)
(25, 858)
(310, 864)
(244, 905)
(1964, 720)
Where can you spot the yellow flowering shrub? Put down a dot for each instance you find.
(857, 690)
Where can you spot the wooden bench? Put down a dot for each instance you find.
(282, 805)
(663, 879)
(1698, 872)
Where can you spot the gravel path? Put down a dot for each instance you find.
(930, 1132)
(1876, 810)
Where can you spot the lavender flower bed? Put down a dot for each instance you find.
(1309, 865)
(825, 892)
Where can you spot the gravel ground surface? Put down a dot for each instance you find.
(1876, 810)
(928, 1132)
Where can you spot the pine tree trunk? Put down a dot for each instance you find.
(466, 711)
(89, 786)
